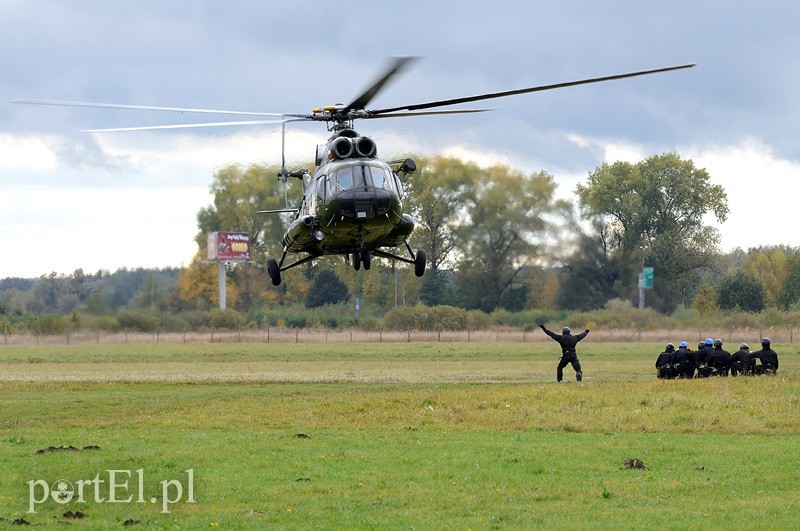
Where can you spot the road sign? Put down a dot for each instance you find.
(647, 278)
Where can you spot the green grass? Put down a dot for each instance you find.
(481, 437)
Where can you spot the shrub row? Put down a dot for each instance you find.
(616, 315)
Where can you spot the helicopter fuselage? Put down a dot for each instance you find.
(349, 205)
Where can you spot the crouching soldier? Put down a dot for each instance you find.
(704, 351)
(768, 358)
(665, 363)
(685, 361)
(720, 360)
(741, 362)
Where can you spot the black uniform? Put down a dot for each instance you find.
(720, 361)
(686, 363)
(665, 363)
(568, 354)
(769, 360)
(704, 361)
(741, 362)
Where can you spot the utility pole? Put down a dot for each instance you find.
(222, 293)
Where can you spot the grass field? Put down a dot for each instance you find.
(405, 435)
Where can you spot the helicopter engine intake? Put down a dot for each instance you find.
(365, 147)
(341, 148)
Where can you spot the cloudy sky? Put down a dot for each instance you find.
(73, 200)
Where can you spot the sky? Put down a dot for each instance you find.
(71, 199)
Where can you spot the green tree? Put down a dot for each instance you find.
(434, 287)
(238, 194)
(790, 290)
(439, 192)
(326, 288)
(740, 290)
(151, 295)
(653, 211)
(592, 275)
(506, 221)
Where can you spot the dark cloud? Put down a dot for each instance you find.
(293, 56)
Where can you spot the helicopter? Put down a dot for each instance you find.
(352, 204)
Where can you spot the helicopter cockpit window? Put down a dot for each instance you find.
(344, 178)
(321, 188)
(380, 178)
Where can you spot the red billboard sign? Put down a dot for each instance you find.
(228, 246)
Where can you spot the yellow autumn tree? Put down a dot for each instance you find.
(705, 300)
(198, 285)
(770, 267)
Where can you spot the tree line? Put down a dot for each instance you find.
(496, 238)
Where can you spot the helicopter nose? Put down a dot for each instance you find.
(364, 204)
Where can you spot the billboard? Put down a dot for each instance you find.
(228, 246)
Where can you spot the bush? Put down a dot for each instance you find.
(370, 324)
(198, 319)
(436, 318)
(226, 319)
(100, 323)
(443, 318)
(137, 321)
(478, 320)
(402, 318)
(49, 325)
(173, 323)
(740, 320)
(528, 320)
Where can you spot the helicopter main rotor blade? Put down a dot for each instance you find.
(423, 113)
(151, 108)
(190, 126)
(503, 94)
(363, 100)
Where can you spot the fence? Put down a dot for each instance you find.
(732, 337)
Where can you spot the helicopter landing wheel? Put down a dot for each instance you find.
(274, 271)
(419, 262)
(366, 259)
(356, 260)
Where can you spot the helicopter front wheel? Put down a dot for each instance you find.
(366, 259)
(356, 260)
(274, 271)
(419, 262)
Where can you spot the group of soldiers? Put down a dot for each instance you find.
(711, 359)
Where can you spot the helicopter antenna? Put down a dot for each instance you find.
(282, 174)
